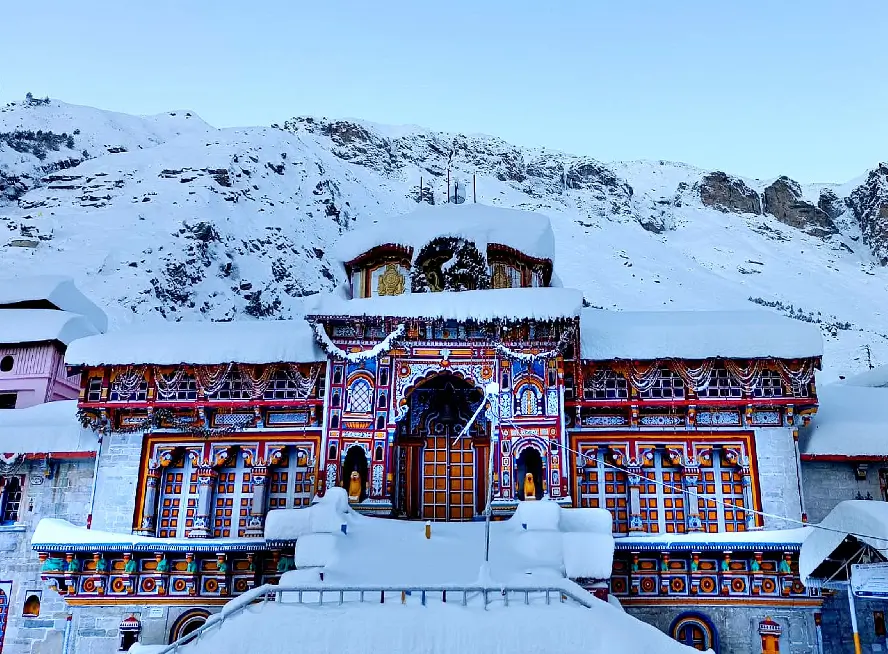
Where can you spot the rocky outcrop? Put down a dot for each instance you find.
(830, 203)
(725, 193)
(869, 202)
(783, 200)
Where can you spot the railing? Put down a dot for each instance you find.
(476, 595)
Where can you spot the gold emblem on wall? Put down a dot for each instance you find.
(500, 277)
(391, 281)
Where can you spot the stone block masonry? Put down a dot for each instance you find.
(117, 480)
(778, 477)
(826, 483)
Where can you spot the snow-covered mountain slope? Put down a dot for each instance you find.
(170, 218)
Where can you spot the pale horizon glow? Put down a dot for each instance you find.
(758, 89)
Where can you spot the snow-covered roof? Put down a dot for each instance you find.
(757, 334)
(200, 343)
(850, 422)
(875, 378)
(57, 291)
(740, 540)
(55, 534)
(865, 520)
(36, 325)
(528, 232)
(52, 427)
(481, 306)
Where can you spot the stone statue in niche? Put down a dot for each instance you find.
(354, 486)
(529, 487)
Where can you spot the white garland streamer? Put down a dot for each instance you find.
(382, 347)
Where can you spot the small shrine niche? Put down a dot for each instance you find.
(129, 631)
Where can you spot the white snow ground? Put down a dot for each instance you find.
(199, 223)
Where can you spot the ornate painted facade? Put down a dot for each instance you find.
(415, 394)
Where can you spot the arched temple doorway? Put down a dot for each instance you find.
(440, 473)
(529, 462)
(354, 473)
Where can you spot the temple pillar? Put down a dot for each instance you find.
(256, 520)
(746, 478)
(636, 525)
(149, 503)
(690, 476)
(206, 483)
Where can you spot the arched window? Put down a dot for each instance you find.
(188, 622)
(32, 606)
(696, 631)
(528, 401)
(10, 500)
(360, 397)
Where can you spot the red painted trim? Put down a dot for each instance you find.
(699, 403)
(846, 458)
(215, 404)
(60, 455)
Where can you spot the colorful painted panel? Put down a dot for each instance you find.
(232, 499)
(178, 500)
(605, 487)
(5, 594)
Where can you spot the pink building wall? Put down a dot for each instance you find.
(37, 375)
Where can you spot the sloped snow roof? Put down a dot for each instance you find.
(875, 378)
(609, 335)
(44, 428)
(481, 306)
(58, 291)
(200, 343)
(528, 232)
(865, 520)
(850, 422)
(36, 325)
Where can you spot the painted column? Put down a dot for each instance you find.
(746, 477)
(690, 476)
(636, 526)
(256, 520)
(206, 483)
(149, 504)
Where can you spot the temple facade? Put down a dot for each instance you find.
(450, 370)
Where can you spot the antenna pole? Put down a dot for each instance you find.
(448, 183)
(420, 188)
(474, 190)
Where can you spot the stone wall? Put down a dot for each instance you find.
(95, 628)
(836, 627)
(118, 477)
(826, 483)
(64, 494)
(778, 477)
(737, 626)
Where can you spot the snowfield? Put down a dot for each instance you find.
(169, 218)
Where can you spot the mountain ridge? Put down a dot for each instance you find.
(170, 218)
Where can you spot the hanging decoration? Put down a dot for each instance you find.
(379, 349)
(697, 378)
(797, 379)
(304, 383)
(749, 377)
(256, 379)
(129, 381)
(526, 357)
(168, 386)
(212, 378)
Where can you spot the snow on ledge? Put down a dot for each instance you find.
(38, 325)
(647, 335)
(46, 428)
(850, 422)
(478, 306)
(200, 343)
(528, 232)
(57, 291)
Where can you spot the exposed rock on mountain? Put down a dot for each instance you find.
(725, 193)
(783, 200)
(869, 202)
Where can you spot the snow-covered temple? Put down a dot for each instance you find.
(451, 367)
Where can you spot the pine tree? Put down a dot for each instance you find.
(467, 270)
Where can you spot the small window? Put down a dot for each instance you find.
(668, 386)
(377, 455)
(6, 363)
(722, 385)
(383, 376)
(10, 500)
(32, 604)
(7, 400)
(382, 400)
(770, 385)
(605, 385)
(879, 624)
(360, 397)
(380, 421)
(337, 375)
(331, 454)
(94, 390)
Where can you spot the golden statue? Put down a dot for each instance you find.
(500, 277)
(354, 486)
(530, 492)
(391, 281)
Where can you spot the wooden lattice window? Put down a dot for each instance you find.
(234, 492)
(668, 386)
(607, 386)
(722, 385)
(290, 481)
(605, 487)
(770, 385)
(360, 397)
(10, 500)
(123, 391)
(662, 501)
(723, 484)
(183, 390)
(178, 500)
(235, 387)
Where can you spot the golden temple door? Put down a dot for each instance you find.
(448, 476)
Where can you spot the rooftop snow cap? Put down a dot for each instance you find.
(649, 335)
(528, 232)
(50, 292)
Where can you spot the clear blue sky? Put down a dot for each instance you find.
(758, 88)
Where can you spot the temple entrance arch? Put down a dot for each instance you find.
(438, 471)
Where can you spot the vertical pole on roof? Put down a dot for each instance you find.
(420, 189)
(488, 509)
(474, 190)
(855, 634)
(448, 183)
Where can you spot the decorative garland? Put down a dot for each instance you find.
(304, 383)
(168, 387)
(379, 349)
(524, 357)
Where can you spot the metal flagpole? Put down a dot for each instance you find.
(856, 635)
(492, 391)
